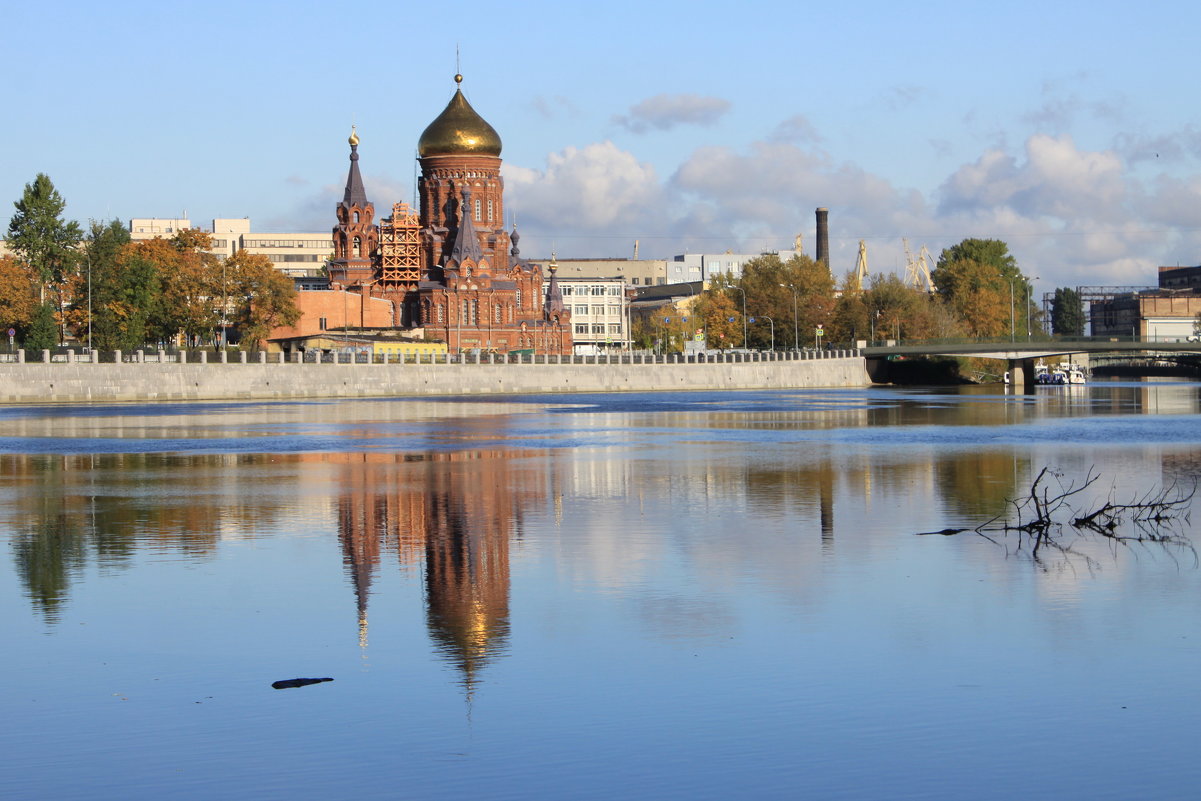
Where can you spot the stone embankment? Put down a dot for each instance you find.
(158, 377)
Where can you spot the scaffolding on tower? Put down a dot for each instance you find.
(399, 246)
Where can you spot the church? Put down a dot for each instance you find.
(450, 268)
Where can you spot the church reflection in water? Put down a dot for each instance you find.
(455, 514)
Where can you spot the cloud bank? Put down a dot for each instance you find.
(1072, 216)
(664, 112)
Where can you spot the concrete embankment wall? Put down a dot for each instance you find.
(59, 382)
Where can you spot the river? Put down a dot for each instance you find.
(675, 595)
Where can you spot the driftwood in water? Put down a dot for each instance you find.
(1044, 512)
(287, 684)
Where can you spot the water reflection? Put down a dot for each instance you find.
(458, 513)
(65, 512)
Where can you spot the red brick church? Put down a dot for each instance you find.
(450, 268)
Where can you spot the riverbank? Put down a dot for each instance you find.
(82, 382)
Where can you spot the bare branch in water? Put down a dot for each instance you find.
(1042, 514)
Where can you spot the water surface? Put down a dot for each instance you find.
(694, 595)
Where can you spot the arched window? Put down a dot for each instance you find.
(466, 318)
(358, 247)
(438, 313)
(475, 311)
(477, 210)
(489, 209)
(496, 313)
(356, 216)
(518, 298)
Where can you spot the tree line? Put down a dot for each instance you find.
(100, 287)
(979, 292)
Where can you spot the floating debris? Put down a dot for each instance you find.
(287, 684)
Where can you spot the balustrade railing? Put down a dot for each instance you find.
(221, 357)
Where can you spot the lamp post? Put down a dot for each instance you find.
(773, 330)
(796, 324)
(1029, 333)
(743, 291)
(1012, 332)
(224, 305)
(89, 304)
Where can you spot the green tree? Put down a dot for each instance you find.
(39, 235)
(1067, 313)
(261, 297)
(43, 331)
(980, 282)
(98, 289)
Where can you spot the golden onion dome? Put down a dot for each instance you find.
(354, 137)
(459, 130)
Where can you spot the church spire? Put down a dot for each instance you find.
(467, 243)
(355, 194)
(554, 295)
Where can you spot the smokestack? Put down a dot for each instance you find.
(823, 236)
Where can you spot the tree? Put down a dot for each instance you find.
(18, 299)
(980, 282)
(38, 234)
(798, 295)
(194, 288)
(904, 312)
(1067, 313)
(43, 331)
(992, 252)
(262, 297)
(719, 315)
(99, 290)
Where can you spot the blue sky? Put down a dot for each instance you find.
(1067, 129)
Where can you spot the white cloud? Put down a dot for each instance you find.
(584, 197)
(1071, 216)
(664, 112)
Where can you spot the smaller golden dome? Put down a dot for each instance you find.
(459, 130)
(354, 137)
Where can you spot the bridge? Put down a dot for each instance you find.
(1020, 356)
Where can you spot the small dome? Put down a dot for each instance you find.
(459, 129)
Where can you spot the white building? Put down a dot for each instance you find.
(295, 254)
(599, 313)
(689, 267)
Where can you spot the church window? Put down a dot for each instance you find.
(466, 318)
(518, 297)
(477, 210)
(496, 313)
(356, 216)
(475, 311)
(489, 209)
(358, 247)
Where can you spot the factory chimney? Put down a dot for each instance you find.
(823, 236)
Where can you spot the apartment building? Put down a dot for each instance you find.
(296, 254)
(599, 313)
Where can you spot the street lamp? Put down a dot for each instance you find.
(773, 330)
(1012, 333)
(1029, 334)
(90, 305)
(740, 289)
(796, 325)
